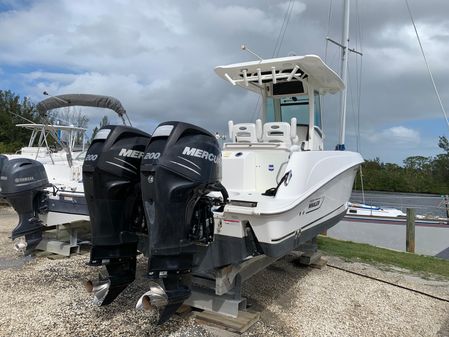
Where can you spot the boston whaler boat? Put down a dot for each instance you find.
(45, 187)
(278, 190)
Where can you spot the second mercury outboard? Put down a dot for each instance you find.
(180, 168)
(22, 184)
(111, 178)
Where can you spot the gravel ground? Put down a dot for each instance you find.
(42, 296)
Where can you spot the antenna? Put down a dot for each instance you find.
(45, 93)
(243, 47)
(344, 45)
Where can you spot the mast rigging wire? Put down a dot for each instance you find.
(427, 64)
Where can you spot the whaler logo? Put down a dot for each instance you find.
(131, 153)
(194, 152)
(315, 204)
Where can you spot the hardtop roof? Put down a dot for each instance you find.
(252, 75)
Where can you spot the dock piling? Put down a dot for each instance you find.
(410, 230)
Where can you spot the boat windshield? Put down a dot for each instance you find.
(81, 156)
(285, 108)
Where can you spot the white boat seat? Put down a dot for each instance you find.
(303, 132)
(277, 132)
(245, 132)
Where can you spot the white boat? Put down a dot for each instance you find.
(38, 146)
(279, 188)
(57, 199)
(284, 150)
(388, 215)
(358, 209)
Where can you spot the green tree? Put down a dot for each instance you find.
(14, 110)
(419, 163)
(104, 121)
(443, 143)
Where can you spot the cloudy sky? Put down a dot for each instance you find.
(157, 57)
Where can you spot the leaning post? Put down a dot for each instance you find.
(410, 231)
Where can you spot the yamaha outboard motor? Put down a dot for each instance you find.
(22, 184)
(3, 161)
(111, 178)
(181, 166)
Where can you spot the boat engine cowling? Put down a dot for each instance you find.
(111, 178)
(3, 160)
(22, 184)
(182, 164)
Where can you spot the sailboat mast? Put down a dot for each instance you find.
(343, 74)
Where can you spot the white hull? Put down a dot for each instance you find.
(314, 200)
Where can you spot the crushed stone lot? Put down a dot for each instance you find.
(41, 296)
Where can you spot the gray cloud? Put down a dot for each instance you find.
(158, 57)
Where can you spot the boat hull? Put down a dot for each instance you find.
(277, 234)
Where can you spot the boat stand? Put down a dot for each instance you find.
(221, 290)
(63, 240)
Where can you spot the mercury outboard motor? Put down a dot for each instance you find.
(111, 178)
(22, 184)
(181, 166)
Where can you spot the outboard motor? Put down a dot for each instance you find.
(22, 184)
(3, 161)
(111, 178)
(181, 166)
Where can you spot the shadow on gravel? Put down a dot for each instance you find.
(14, 263)
(126, 302)
(444, 331)
(269, 290)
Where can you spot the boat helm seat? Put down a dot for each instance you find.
(277, 132)
(245, 132)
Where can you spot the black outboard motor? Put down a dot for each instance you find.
(181, 166)
(111, 178)
(22, 184)
(3, 160)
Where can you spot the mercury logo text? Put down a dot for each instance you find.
(194, 152)
(131, 153)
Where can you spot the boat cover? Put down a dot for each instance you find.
(81, 100)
